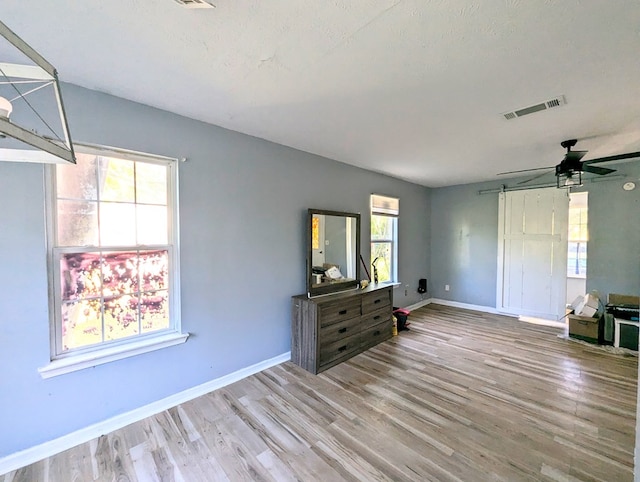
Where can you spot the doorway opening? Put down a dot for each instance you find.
(578, 237)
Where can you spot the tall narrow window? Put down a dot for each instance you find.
(113, 258)
(384, 237)
(578, 236)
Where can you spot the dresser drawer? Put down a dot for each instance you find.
(376, 333)
(339, 330)
(330, 313)
(376, 300)
(375, 318)
(339, 348)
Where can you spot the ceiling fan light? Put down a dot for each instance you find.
(5, 108)
(569, 179)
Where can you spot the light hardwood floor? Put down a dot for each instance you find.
(461, 396)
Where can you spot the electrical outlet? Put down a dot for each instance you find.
(406, 292)
(446, 287)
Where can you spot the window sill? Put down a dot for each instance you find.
(576, 276)
(109, 354)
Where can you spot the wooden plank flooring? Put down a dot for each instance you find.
(462, 396)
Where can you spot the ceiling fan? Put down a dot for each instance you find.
(569, 171)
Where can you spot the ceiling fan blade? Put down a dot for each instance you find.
(575, 156)
(628, 155)
(526, 170)
(597, 170)
(537, 176)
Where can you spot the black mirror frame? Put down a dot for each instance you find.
(337, 287)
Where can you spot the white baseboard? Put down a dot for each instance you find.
(457, 304)
(467, 306)
(34, 454)
(417, 305)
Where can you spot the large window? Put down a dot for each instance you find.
(578, 236)
(113, 258)
(384, 237)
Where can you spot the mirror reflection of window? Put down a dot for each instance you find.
(317, 240)
(315, 233)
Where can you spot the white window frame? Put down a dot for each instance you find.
(78, 359)
(583, 206)
(389, 207)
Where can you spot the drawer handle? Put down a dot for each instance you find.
(343, 312)
(342, 348)
(376, 317)
(342, 330)
(376, 333)
(377, 301)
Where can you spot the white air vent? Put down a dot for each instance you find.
(195, 4)
(547, 104)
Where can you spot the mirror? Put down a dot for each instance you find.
(333, 251)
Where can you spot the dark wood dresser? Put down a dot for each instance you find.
(328, 330)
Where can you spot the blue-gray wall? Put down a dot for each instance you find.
(464, 244)
(243, 205)
(613, 249)
(464, 239)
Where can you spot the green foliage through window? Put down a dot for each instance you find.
(111, 250)
(383, 234)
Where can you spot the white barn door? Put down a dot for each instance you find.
(532, 252)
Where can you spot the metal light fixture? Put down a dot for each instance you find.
(569, 179)
(56, 146)
(5, 108)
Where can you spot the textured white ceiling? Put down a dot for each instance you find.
(411, 88)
